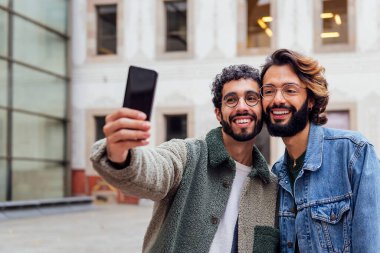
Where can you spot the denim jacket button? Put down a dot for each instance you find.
(333, 217)
(290, 245)
(293, 209)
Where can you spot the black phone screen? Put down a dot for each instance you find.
(139, 93)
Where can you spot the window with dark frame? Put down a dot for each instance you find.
(339, 119)
(106, 29)
(100, 121)
(176, 25)
(259, 19)
(334, 18)
(176, 126)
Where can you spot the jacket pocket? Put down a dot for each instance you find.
(333, 225)
(266, 239)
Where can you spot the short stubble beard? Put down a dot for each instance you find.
(245, 135)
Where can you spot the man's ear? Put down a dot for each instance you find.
(310, 103)
(218, 114)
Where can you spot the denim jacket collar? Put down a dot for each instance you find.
(313, 160)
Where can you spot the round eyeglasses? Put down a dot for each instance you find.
(268, 92)
(251, 99)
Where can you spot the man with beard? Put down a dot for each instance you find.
(329, 197)
(212, 194)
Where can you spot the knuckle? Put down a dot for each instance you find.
(124, 121)
(127, 134)
(108, 118)
(117, 124)
(121, 133)
(118, 113)
(105, 129)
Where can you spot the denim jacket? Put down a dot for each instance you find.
(337, 196)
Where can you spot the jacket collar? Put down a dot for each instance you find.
(314, 151)
(219, 157)
(313, 157)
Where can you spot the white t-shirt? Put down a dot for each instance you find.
(222, 241)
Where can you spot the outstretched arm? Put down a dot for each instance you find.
(152, 172)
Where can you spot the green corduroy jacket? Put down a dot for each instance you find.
(190, 181)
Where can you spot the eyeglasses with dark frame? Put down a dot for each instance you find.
(268, 92)
(251, 99)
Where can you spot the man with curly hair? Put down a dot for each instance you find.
(329, 179)
(212, 194)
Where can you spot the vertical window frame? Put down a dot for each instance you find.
(167, 117)
(160, 124)
(101, 37)
(92, 30)
(161, 33)
(242, 48)
(350, 107)
(318, 29)
(91, 115)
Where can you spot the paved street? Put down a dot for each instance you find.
(104, 228)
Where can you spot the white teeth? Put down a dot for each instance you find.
(242, 121)
(280, 112)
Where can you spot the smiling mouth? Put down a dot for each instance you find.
(242, 121)
(280, 113)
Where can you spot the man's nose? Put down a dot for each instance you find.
(278, 97)
(242, 105)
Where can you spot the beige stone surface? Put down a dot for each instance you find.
(104, 228)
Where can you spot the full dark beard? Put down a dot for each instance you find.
(296, 124)
(245, 135)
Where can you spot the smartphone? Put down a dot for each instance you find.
(139, 92)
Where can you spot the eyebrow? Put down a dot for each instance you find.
(232, 93)
(271, 84)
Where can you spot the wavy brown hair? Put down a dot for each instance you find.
(311, 73)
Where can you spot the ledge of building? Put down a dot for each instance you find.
(30, 208)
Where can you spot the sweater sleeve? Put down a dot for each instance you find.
(153, 173)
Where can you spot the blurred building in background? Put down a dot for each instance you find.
(34, 95)
(188, 42)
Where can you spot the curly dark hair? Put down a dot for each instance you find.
(311, 73)
(233, 72)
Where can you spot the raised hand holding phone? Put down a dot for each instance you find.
(128, 127)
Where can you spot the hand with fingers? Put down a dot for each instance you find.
(125, 129)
